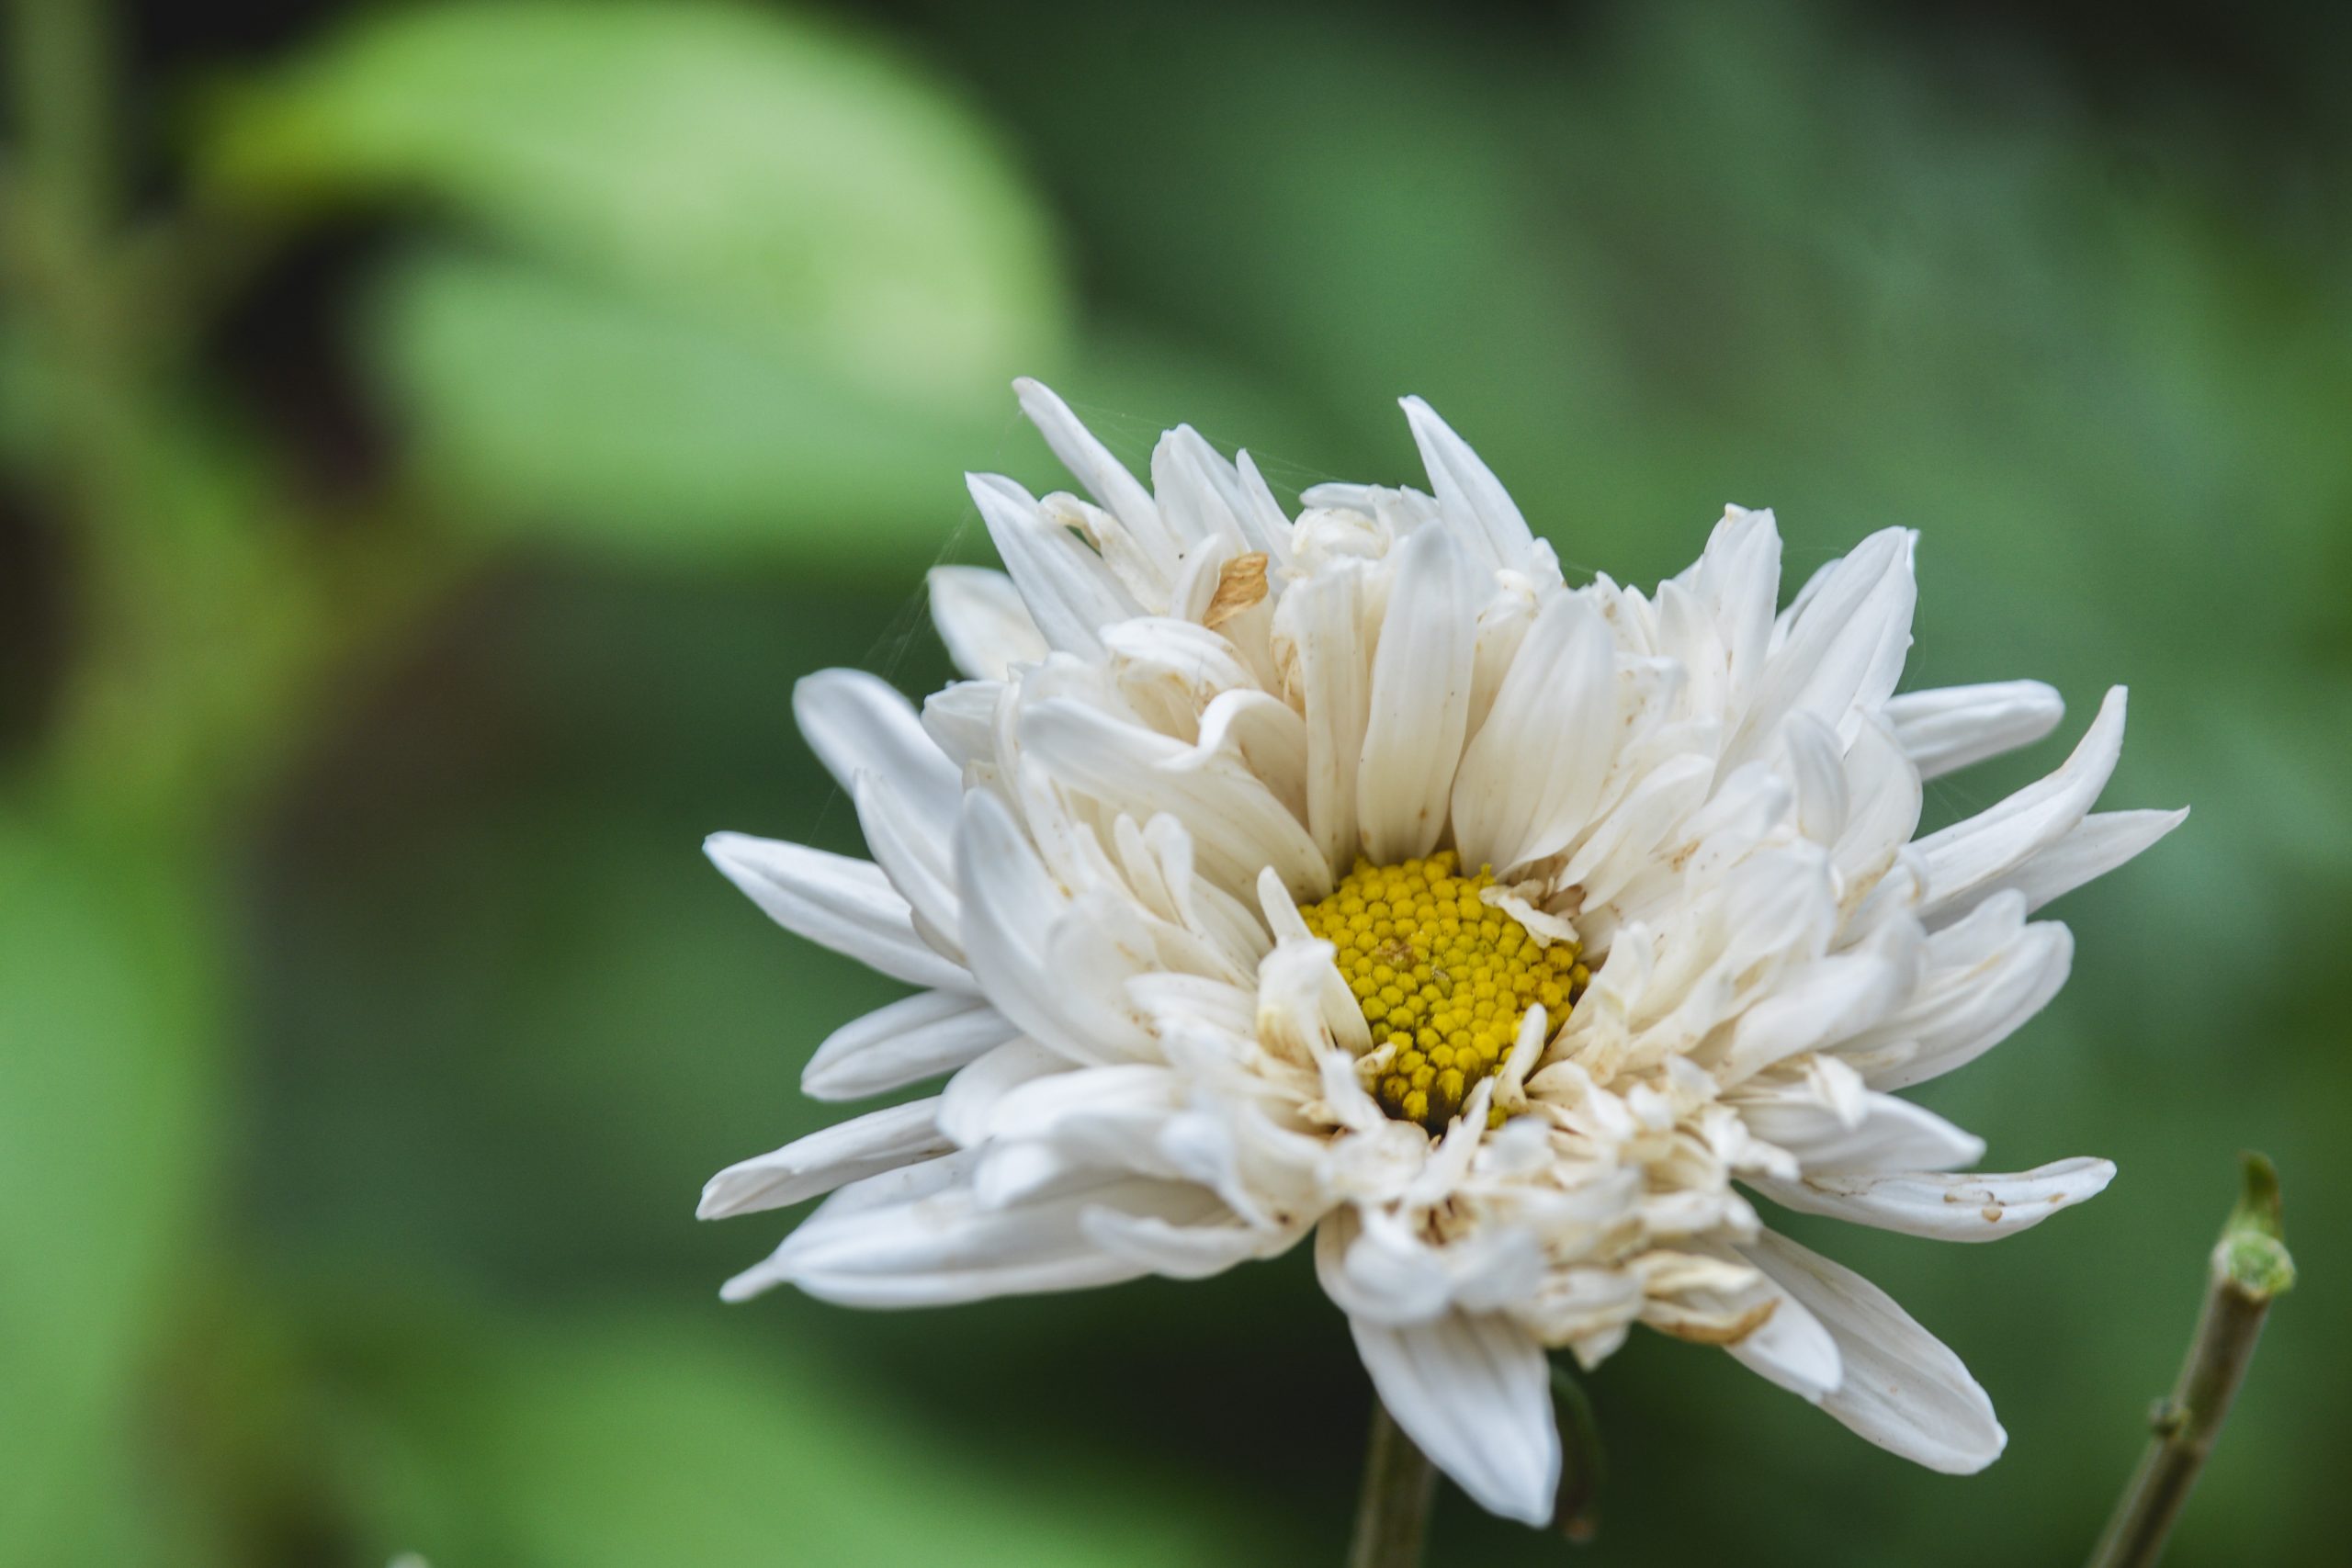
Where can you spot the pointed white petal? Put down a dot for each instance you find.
(1965, 860)
(1264, 525)
(1843, 646)
(1419, 708)
(1070, 592)
(1322, 618)
(1966, 1206)
(1738, 580)
(1468, 493)
(1902, 1389)
(845, 1152)
(1948, 728)
(858, 723)
(1475, 1394)
(846, 904)
(918, 1037)
(2092, 848)
(1530, 781)
(1106, 478)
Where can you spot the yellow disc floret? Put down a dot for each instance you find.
(1442, 975)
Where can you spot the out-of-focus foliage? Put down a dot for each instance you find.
(742, 270)
(614, 1440)
(106, 1088)
(350, 1121)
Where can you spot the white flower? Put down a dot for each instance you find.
(1188, 876)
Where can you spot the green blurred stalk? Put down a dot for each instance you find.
(63, 214)
(209, 614)
(1399, 1484)
(65, 226)
(2250, 1269)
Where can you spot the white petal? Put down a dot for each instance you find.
(1738, 580)
(1179, 1252)
(1893, 1134)
(1264, 525)
(1791, 1349)
(1090, 461)
(1949, 727)
(916, 855)
(970, 1100)
(1903, 1390)
(913, 1039)
(858, 723)
(1070, 592)
(1843, 646)
(1010, 910)
(919, 1236)
(1882, 811)
(1198, 492)
(961, 719)
(1322, 619)
(1817, 763)
(846, 904)
(1960, 1013)
(981, 619)
(845, 1152)
(1820, 1001)
(1967, 1207)
(1965, 861)
(2092, 848)
(1469, 494)
(1419, 709)
(1475, 1394)
(1530, 781)
(1237, 824)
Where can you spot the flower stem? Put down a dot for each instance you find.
(2250, 1269)
(1399, 1483)
(1582, 1464)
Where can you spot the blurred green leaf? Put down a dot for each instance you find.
(628, 1440)
(576, 412)
(105, 1010)
(787, 177)
(752, 264)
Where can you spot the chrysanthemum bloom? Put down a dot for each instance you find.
(1351, 875)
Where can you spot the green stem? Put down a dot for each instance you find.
(65, 223)
(2250, 1267)
(1399, 1484)
(1582, 1463)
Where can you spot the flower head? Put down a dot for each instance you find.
(1351, 875)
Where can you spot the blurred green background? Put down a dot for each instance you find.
(436, 436)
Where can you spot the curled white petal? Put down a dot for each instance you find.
(1946, 1206)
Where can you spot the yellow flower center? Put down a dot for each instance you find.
(1444, 975)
